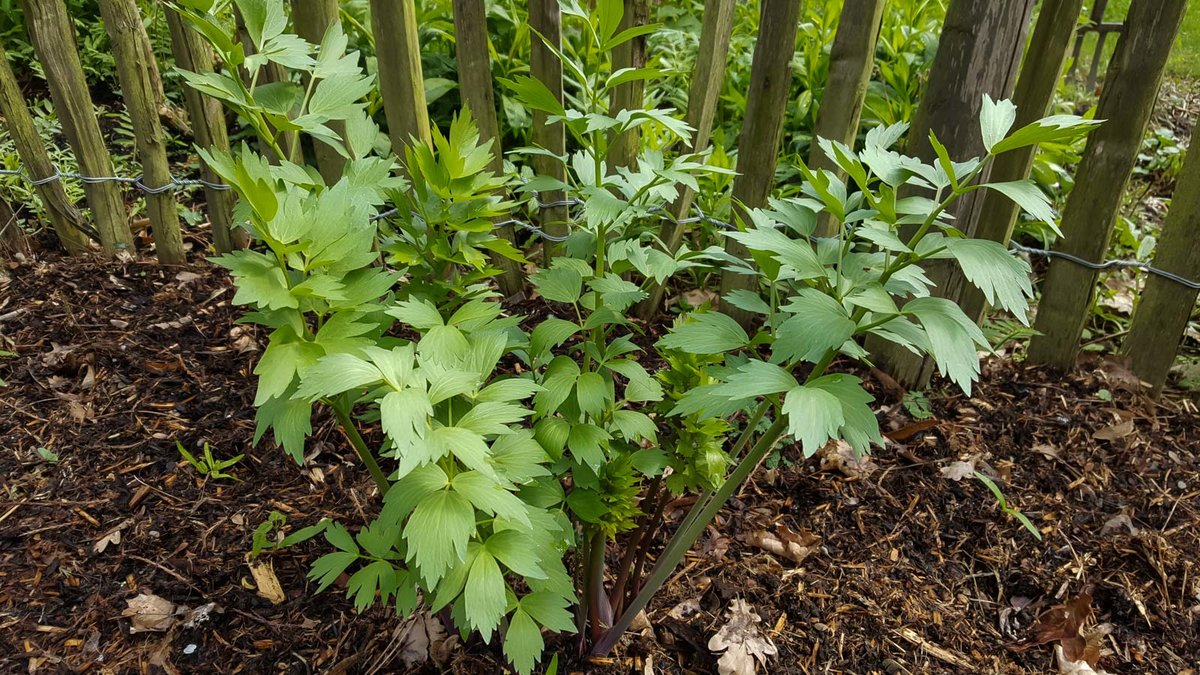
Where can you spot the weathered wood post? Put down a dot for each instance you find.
(1130, 90)
(1041, 70)
(64, 218)
(979, 53)
(546, 20)
(623, 148)
(475, 86)
(762, 127)
(703, 95)
(130, 44)
(311, 18)
(850, 62)
(53, 39)
(1164, 307)
(12, 237)
(398, 50)
(208, 130)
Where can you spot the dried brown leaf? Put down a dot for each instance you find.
(743, 645)
(150, 613)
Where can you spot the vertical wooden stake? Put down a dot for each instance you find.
(1130, 91)
(475, 85)
(311, 19)
(544, 19)
(64, 218)
(208, 130)
(130, 45)
(623, 148)
(850, 62)
(1041, 70)
(12, 237)
(1164, 307)
(398, 50)
(979, 53)
(762, 127)
(703, 95)
(53, 39)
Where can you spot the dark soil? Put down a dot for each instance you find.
(907, 570)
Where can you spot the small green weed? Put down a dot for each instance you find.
(207, 465)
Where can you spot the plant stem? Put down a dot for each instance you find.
(360, 447)
(599, 611)
(617, 595)
(683, 540)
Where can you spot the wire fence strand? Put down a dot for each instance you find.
(700, 216)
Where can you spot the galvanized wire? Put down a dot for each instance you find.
(661, 212)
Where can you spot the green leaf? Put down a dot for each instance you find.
(706, 333)
(326, 569)
(814, 416)
(819, 324)
(485, 595)
(510, 389)
(748, 301)
(641, 386)
(551, 333)
(259, 279)
(523, 642)
(512, 548)
(366, 582)
(420, 314)
(337, 535)
(490, 497)
(797, 255)
(550, 610)
(953, 338)
(437, 533)
(617, 293)
(279, 364)
(560, 284)
(290, 421)
(861, 428)
(634, 426)
(404, 415)
(493, 417)
(466, 445)
(1001, 276)
(1053, 129)
(995, 119)
(1029, 197)
(591, 391)
(587, 443)
(335, 373)
(757, 378)
(532, 93)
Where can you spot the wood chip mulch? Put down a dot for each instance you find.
(886, 566)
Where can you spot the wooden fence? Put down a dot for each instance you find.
(982, 53)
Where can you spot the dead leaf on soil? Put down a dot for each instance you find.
(743, 644)
(685, 609)
(1117, 523)
(838, 455)
(795, 546)
(113, 536)
(963, 468)
(266, 581)
(1115, 432)
(1077, 647)
(149, 613)
(420, 638)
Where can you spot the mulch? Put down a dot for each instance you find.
(897, 567)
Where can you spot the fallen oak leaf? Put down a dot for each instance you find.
(838, 455)
(742, 643)
(150, 613)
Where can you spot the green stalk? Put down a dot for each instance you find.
(684, 539)
(360, 447)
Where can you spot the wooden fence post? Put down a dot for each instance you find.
(64, 218)
(762, 127)
(130, 45)
(1164, 307)
(979, 53)
(475, 86)
(12, 237)
(1130, 91)
(208, 130)
(311, 18)
(53, 39)
(1041, 70)
(546, 20)
(623, 148)
(851, 60)
(703, 95)
(398, 50)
